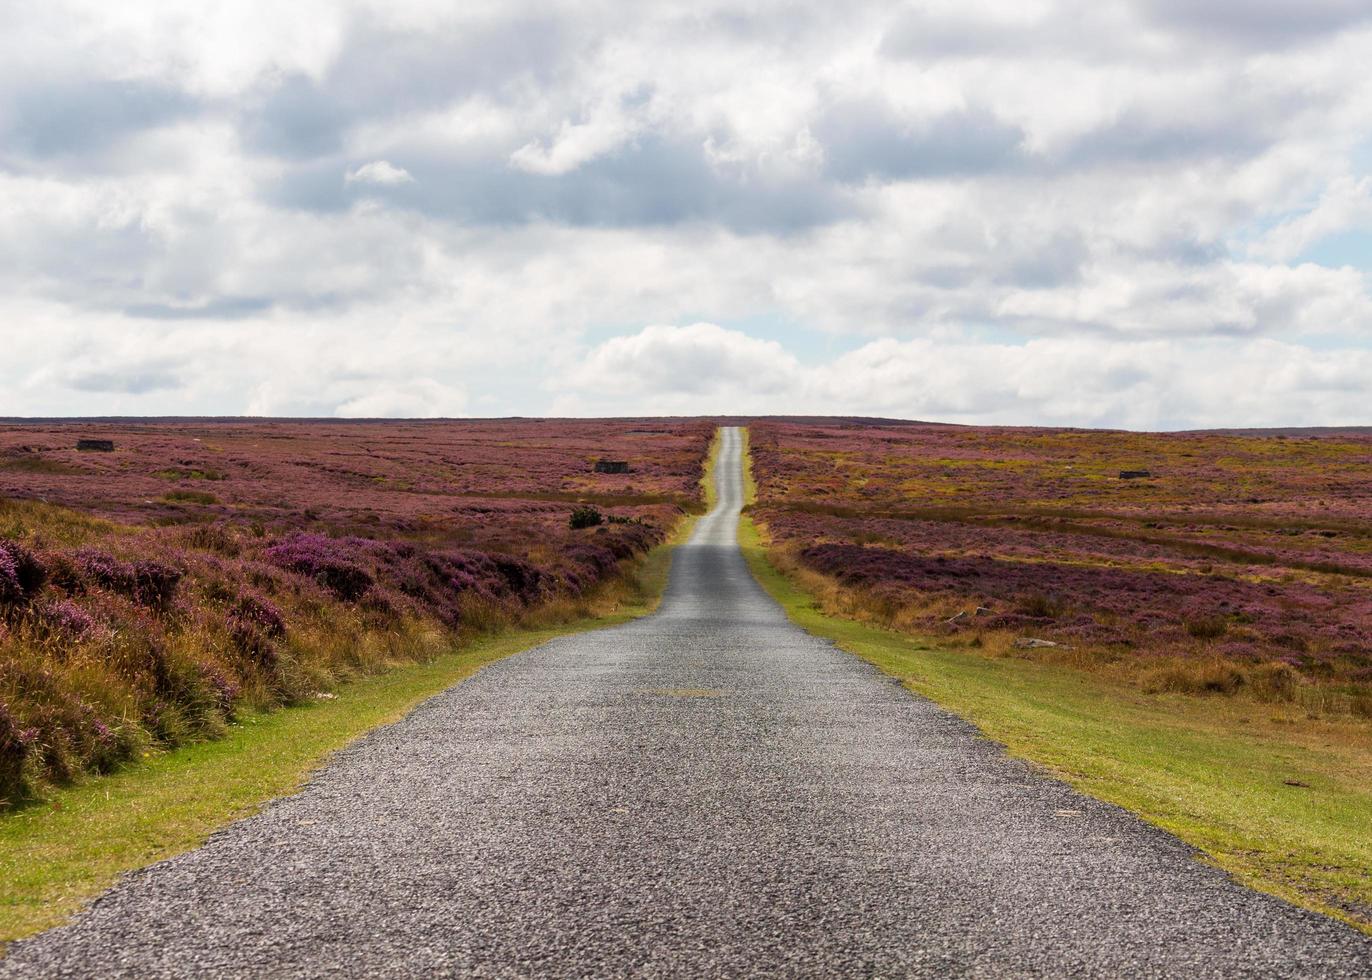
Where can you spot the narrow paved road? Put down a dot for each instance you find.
(706, 792)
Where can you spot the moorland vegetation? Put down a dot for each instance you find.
(150, 593)
(1239, 565)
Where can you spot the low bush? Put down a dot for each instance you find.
(330, 562)
(21, 574)
(584, 517)
(1203, 677)
(190, 497)
(144, 580)
(1207, 627)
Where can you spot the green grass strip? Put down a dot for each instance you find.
(1218, 776)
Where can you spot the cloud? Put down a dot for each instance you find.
(219, 308)
(1346, 203)
(1277, 23)
(136, 379)
(422, 399)
(867, 138)
(645, 184)
(294, 117)
(479, 188)
(701, 359)
(76, 117)
(1154, 384)
(378, 172)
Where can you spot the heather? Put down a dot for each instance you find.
(131, 620)
(1241, 563)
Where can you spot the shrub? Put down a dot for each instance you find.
(261, 613)
(1039, 606)
(584, 517)
(16, 746)
(154, 582)
(1207, 627)
(68, 620)
(254, 624)
(252, 642)
(190, 497)
(10, 591)
(1197, 678)
(213, 537)
(324, 559)
(1274, 682)
(21, 574)
(522, 578)
(145, 581)
(225, 690)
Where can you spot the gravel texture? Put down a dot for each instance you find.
(706, 792)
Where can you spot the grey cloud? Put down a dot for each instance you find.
(1142, 139)
(1096, 32)
(1182, 247)
(1056, 261)
(383, 73)
(295, 118)
(652, 182)
(82, 260)
(137, 379)
(1088, 32)
(73, 117)
(1029, 259)
(1266, 23)
(223, 308)
(864, 139)
(923, 35)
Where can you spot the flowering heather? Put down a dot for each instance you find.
(148, 594)
(68, 619)
(329, 561)
(1248, 548)
(144, 580)
(11, 592)
(261, 613)
(16, 747)
(21, 574)
(368, 478)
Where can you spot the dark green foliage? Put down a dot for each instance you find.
(584, 517)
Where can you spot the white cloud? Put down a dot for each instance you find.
(698, 360)
(1083, 381)
(1344, 204)
(380, 172)
(421, 399)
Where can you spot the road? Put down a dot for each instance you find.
(708, 791)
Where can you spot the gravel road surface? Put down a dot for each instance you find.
(706, 792)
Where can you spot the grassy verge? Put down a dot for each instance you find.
(1286, 808)
(708, 492)
(60, 852)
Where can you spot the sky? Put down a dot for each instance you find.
(1150, 214)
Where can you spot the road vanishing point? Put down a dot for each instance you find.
(706, 792)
